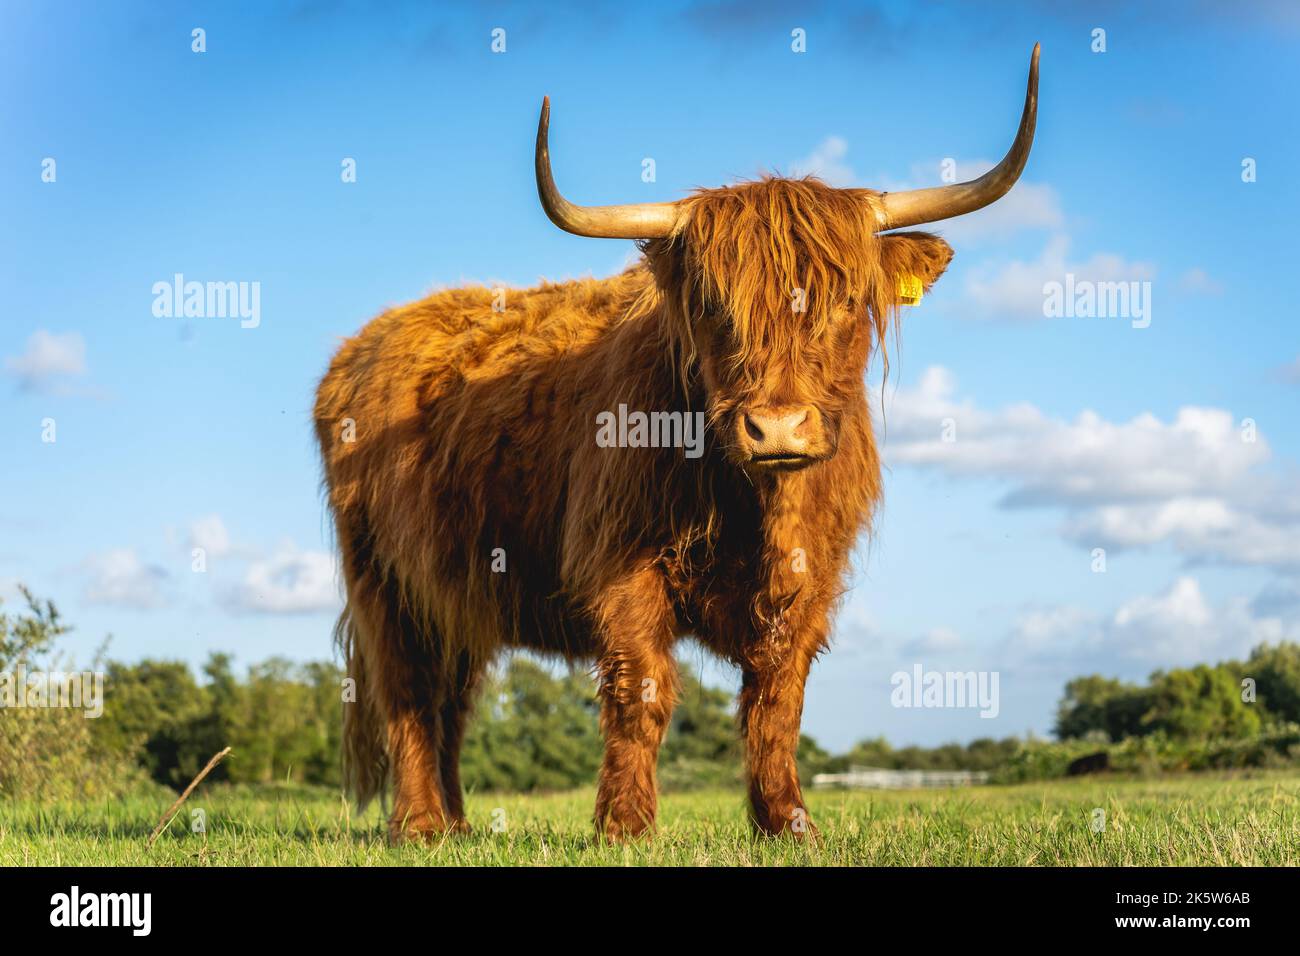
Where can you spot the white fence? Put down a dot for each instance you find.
(875, 778)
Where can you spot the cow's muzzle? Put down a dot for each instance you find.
(780, 437)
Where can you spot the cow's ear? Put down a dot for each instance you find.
(914, 254)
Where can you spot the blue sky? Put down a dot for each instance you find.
(1071, 433)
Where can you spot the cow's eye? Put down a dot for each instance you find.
(712, 314)
(720, 320)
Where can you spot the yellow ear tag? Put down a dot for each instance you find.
(910, 289)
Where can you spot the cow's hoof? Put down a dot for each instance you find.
(424, 828)
(613, 830)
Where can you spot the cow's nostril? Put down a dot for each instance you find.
(780, 432)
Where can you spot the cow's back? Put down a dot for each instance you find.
(446, 427)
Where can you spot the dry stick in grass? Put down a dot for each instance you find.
(170, 815)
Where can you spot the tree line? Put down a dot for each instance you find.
(536, 728)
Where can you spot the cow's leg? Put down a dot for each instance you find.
(771, 707)
(418, 808)
(412, 686)
(455, 714)
(638, 685)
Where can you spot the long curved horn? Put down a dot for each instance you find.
(944, 202)
(648, 220)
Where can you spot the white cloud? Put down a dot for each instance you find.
(1051, 460)
(1192, 482)
(827, 162)
(1014, 289)
(120, 578)
(1177, 628)
(291, 581)
(47, 359)
(209, 533)
(937, 640)
(1183, 608)
(1040, 632)
(1199, 282)
(1203, 529)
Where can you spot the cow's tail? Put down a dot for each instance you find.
(365, 757)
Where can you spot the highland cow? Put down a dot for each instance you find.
(476, 511)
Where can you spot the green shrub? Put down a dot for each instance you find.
(49, 753)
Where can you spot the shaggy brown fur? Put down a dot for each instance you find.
(476, 430)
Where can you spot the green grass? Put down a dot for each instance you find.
(1210, 820)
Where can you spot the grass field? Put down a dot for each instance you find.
(1211, 820)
